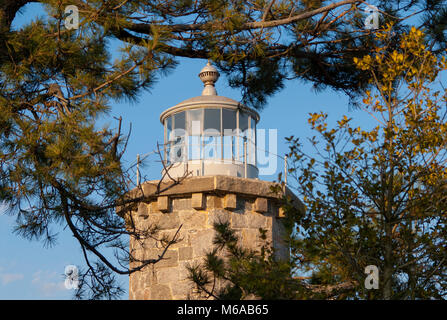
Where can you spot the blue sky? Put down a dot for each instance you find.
(29, 271)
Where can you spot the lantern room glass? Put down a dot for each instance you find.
(210, 133)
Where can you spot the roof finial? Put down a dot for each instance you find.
(209, 76)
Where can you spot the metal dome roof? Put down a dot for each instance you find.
(208, 101)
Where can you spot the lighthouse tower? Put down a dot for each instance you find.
(209, 175)
(210, 135)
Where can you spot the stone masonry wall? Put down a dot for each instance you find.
(167, 279)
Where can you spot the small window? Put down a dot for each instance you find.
(212, 147)
(252, 131)
(177, 150)
(195, 122)
(194, 148)
(168, 123)
(179, 120)
(229, 121)
(229, 148)
(212, 122)
(251, 152)
(243, 122)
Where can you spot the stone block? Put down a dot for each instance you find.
(238, 234)
(238, 220)
(170, 259)
(250, 238)
(163, 203)
(230, 201)
(143, 209)
(257, 220)
(133, 282)
(150, 220)
(185, 253)
(138, 253)
(183, 269)
(146, 294)
(181, 237)
(202, 242)
(168, 221)
(160, 292)
(213, 201)
(167, 275)
(179, 204)
(149, 276)
(192, 219)
(153, 207)
(218, 216)
(198, 201)
(261, 205)
(182, 289)
(138, 295)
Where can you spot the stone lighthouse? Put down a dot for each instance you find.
(209, 175)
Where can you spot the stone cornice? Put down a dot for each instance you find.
(150, 190)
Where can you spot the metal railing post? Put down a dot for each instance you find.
(138, 169)
(245, 157)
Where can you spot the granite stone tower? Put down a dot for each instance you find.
(209, 175)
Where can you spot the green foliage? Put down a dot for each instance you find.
(231, 272)
(377, 196)
(256, 44)
(57, 165)
(372, 197)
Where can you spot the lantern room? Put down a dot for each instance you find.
(210, 134)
